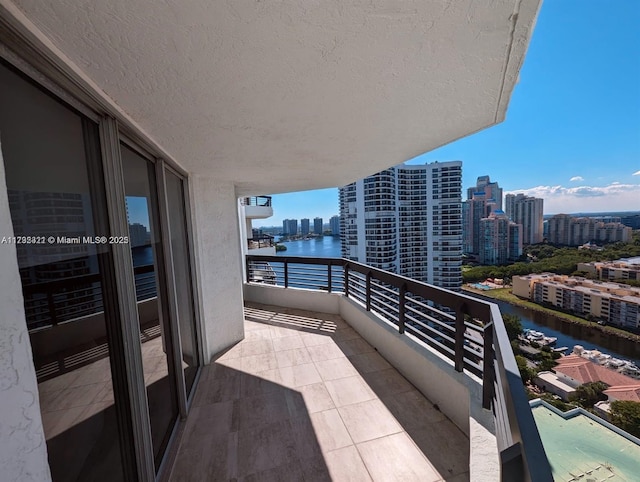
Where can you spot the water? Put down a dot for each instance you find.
(568, 334)
(323, 247)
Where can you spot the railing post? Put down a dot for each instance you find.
(401, 301)
(368, 291)
(329, 276)
(248, 270)
(459, 339)
(488, 369)
(286, 273)
(346, 280)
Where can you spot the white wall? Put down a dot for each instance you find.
(218, 253)
(23, 451)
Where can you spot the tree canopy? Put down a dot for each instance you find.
(626, 415)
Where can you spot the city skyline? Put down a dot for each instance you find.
(572, 131)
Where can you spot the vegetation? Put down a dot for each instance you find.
(555, 401)
(513, 325)
(587, 394)
(280, 247)
(541, 258)
(526, 372)
(626, 415)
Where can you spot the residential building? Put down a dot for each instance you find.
(171, 372)
(575, 231)
(304, 226)
(632, 220)
(334, 225)
(482, 199)
(317, 225)
(527, 211)
(407, 220)
(610, 302)
(290, 227)
(500, 240)
(620, 270)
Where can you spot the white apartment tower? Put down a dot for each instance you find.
(407, 220)
(527, 211)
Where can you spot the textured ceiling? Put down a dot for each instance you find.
(280, 96)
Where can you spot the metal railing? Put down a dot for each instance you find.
(260, 241)
(468, 331)
(262, 201)
(62, 300)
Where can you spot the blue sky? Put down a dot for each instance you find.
(572, 132)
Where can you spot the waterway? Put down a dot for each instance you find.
(568, 334)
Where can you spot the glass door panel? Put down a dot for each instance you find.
(57, 202)
(182, 274)
(151, 295)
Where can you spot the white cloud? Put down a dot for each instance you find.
(637, 173)
(561, 199)
(576, 178)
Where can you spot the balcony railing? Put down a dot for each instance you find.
(260, 241)
(468, 331)
(262, 201)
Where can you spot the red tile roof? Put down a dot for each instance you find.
(631, 394)
(585, 371)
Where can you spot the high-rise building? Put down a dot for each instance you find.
(575, 231)
(290, 227)
(527, 211)
(500, 239)
(407, 220)
(304, 226)
(482, 199)
(334, 224)
(317, 225)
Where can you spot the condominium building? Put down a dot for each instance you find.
(334, 225)
(569, 230)
(621, 270)
(304, 226)
(317, 225)
(500, 239)
(184, 109)
(407, 220)
(527, 211)
(611, 302)
(290, 227)
(482, 199)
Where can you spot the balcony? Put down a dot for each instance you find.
(304, 397)
(257, 207)
(451, 348)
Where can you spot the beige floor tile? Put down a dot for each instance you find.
(285, 343)
(324, 352)
(336, 368)
(396, 458)
(259, 363)
(258, 334)
(313, 339)
(346, 464)
(258, 347)
(266, 447)
(445, 445)
(349, 390)
(330, 430)
(299, 375)
(314, 398)
(369, 362)
(387, 382)
(253, 412)
(355, 346)
(368, 420)
(346, 333)
(297, 356)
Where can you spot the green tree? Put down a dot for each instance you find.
(588, 394)
(526, 373)
(513, 325)
(626, 415)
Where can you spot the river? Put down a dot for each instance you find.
(568, 334)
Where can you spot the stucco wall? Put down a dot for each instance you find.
(214, 208)
(23, 451)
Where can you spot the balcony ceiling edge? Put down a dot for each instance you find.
(294, 96)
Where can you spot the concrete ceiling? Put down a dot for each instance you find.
(280, 96)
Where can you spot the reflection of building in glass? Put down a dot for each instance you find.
(44, 215)
(139, 235)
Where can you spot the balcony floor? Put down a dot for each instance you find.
(304, 397)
